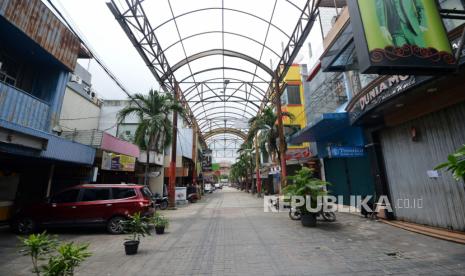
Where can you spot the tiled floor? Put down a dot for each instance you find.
(227, 233)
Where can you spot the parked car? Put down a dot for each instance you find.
(208, 188)
(86, 205)
(218, 186)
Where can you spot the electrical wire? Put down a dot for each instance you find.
(92, 52)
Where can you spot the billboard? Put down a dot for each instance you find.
(118, 162)
(395, 36)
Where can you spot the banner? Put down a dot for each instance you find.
(207, 160)
(118, 162)
(393, 36)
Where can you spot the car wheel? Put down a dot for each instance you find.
(164, 205)
(25, 226)
(115, 225)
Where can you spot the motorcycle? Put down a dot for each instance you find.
(295, 214)
(192, 195)
(160, 201)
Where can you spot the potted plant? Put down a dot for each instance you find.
(305, 184)
(160, 222)
(37, 246)
(455, 164)
(69, 257)
(137, 226)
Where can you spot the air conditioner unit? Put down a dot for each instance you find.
(76, 79)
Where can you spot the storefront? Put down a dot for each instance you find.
(414, 122)
(116, 161)
(341, 150)
(35, 164)
(412, 113)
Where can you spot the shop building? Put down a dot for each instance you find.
(81, 105)
(115, 159)
(411, 123)
(338, 147)
(37, 53)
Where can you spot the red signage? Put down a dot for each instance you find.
(298, 154)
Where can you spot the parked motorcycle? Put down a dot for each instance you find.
(192, 195)
(160, 201)
(295, 214)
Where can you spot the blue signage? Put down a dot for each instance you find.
(337, 151)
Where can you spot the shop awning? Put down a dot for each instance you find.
(328, 126)
(52, 146)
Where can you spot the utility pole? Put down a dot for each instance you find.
(172, 169)
(257, 166)
(282, 145)
(194, 159)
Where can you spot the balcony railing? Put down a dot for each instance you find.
(19, 107)
(92, 137)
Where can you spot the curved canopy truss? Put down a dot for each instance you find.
(222, 58)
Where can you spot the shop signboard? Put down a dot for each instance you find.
(298, 154)
(386, 89)
(395, 36)
(345, 151)
(181, 193)
(118, 162)
(207, 160)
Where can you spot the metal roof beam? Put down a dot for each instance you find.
(214, 52)
(135, 24)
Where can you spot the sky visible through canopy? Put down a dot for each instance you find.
(222, 51)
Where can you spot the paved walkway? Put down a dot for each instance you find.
(229, 234)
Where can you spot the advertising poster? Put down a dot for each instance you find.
(400, 34)
(118, 162)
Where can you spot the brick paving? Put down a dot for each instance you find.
(227, 233)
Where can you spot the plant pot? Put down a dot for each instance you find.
(308, 220)
(160, 230)
(131, 247)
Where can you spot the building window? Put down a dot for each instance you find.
(293, 94)
(452, 5)
(290, 130)
(8, 70)
(360, 81)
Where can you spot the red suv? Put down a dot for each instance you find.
(86, 205)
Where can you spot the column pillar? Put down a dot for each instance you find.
(282, 145)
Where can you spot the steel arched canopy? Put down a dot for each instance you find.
(223, 68)
(220, 32)
(219, 131)
(200, 42)
(206, 101)
(212, 109)
(222, 52)
(222, 8)
(189, 90)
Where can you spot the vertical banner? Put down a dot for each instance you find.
(207, 160)
(393, 36)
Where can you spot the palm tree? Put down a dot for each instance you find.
(154, 131)
(246, 163)
(264, 125)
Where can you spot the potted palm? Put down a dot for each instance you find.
(160, 222)
(305, 185)
(137, 226)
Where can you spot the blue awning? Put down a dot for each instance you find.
(332, 127)
(56, 148)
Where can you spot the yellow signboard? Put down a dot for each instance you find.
(118, 162)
